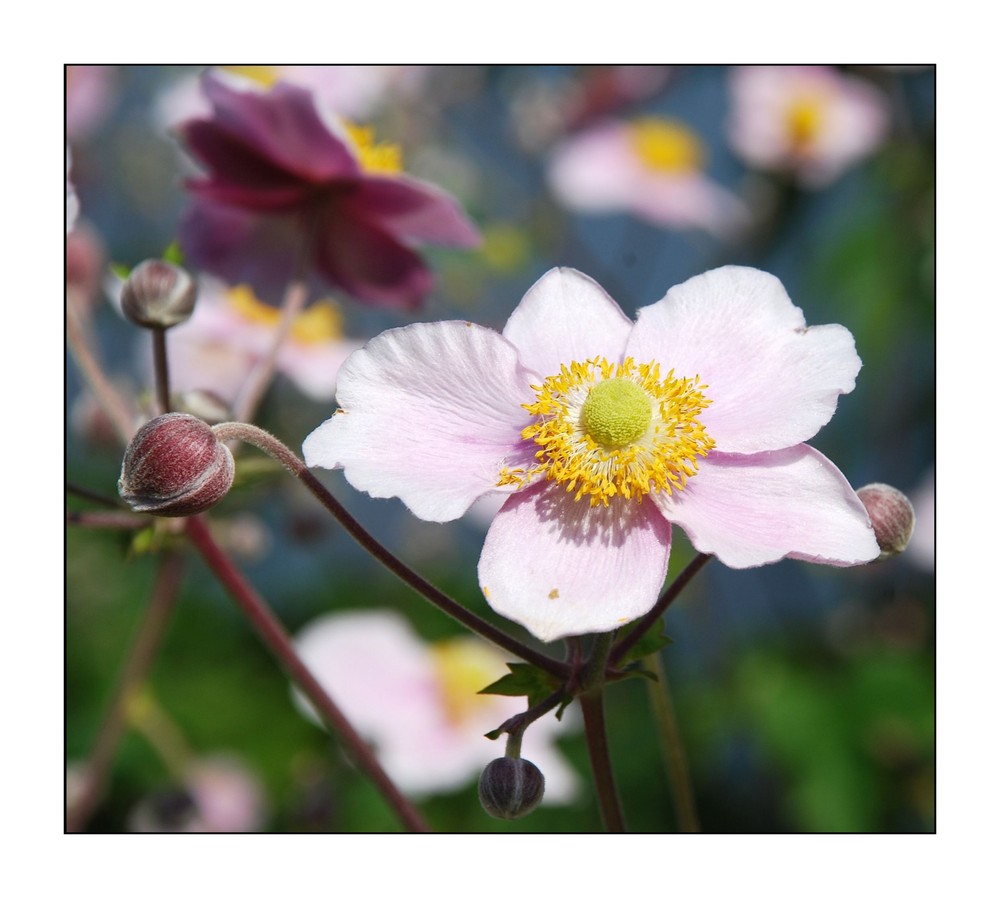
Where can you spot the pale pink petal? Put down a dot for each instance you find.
(374, 667)
(313, 367)
(429, 413)
(566, 317)
(752, 510)
(596, 171)
(772, 381)
(690, 200)
(560, 567)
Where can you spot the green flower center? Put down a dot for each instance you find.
(616, 412)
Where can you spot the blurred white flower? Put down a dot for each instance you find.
(419, 703)
(652, 168)
(921, 546)
(810, 121)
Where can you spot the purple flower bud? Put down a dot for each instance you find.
(891, 515)
(510, 788)
(175, 466)
(158, 295)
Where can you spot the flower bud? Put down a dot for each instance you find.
(158, 295)
(510, 788)
(891, 515)
(175, 466)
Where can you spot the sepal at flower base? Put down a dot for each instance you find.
(523, 679)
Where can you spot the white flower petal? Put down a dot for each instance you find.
(752, 510)
(560, 567)
(565, 317)
(429, 413)
(773, 382)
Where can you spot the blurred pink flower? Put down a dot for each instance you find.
(91, 92)
(651, 168)
(354, 91)
(72, 201)
(220, 795)
(694, 415)
(810, 121)
(231, 331)
(282, 171)
(419, 705)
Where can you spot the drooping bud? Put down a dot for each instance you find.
(510, 788)
(175, 466)
(891, 515)
(158, 295)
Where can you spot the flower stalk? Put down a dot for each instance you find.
(280, 452)
(273, 634)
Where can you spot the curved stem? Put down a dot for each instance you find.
(277, 640)
(515, 726)
(280, 452)
(134, 671)
(673, 748)
(653, 615)
(592, 704)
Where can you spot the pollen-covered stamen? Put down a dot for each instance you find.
(606, 430)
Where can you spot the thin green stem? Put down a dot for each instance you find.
(273, 634)
(653, 615)
(674, 756)
(133, 673)
(280, 452)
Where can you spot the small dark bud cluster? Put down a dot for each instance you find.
(175, 466)
(158, 295)
(510, 788)
(891, 515)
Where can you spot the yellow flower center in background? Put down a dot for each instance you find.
(265, 75)
(384, 158)
(804, 119)
(667, 146)
(322, 322)
(464, 666)
(606, 430)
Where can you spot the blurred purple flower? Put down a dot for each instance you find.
(281, 169)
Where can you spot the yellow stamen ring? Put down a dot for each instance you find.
(605, 430)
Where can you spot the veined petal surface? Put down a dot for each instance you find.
(429, 413)
(561, 567)
(791, 503)
(566, 317)
(772, 381)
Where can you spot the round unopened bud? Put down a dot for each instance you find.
(158, 295)
(510, 788)
(891, 515)
(175, 466)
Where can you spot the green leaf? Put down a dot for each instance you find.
(121, 270)
(173, 254)
(650, 642)
(523, 679)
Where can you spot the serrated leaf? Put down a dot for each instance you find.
(523, 679)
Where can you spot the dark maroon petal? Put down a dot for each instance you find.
(407, 207)
(237, 174)
(241, 246)
(281, 125)
(368, 263)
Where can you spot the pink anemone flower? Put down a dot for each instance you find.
(419, 702)
(652, 168)
(810, 121)
(283, 172)
(606, 431)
